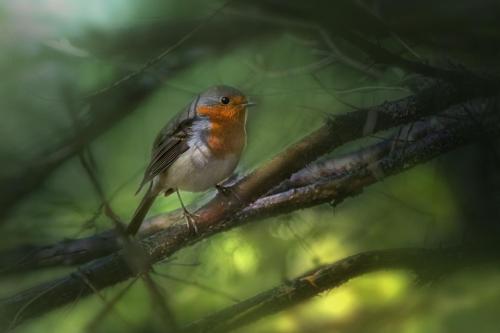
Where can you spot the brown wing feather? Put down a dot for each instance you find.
(170, 143)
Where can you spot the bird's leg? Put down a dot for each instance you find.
(190, 217)
(227, 190)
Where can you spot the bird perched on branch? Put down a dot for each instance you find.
(196, 150)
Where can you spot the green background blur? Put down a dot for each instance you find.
(54, 50)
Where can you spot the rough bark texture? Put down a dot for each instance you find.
(341, 129)
(218, 214)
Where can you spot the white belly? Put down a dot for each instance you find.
(197, 170)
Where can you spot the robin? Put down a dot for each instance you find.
(196, 150)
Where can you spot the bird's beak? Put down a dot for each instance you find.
(249, 104)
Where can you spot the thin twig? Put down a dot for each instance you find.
(109, 307)
(152, 62)
(160, 304)
(199, 285)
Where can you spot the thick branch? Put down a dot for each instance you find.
(342, 128)
(116, 267)
(456, 127)
(424, 262)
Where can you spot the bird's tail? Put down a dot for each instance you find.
(142, 210)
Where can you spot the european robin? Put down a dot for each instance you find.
(196, 150)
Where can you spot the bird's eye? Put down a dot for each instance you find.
(224, 100)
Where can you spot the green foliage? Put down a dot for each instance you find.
(417, 208)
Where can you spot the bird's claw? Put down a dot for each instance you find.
(191, 221)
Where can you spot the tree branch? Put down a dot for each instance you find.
(426, 263)
(342, 128)
(221, 213)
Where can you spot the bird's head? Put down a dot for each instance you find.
(223, 102)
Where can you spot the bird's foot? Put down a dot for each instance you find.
(191, 221)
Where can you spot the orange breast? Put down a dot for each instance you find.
(227, 131)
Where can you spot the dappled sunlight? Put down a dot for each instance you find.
(344, 304)
(245, 259)
(88, 85)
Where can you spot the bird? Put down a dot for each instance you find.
(196, 150)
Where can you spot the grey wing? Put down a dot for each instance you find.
(170, 143)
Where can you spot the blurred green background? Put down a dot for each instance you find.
(55, 52)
